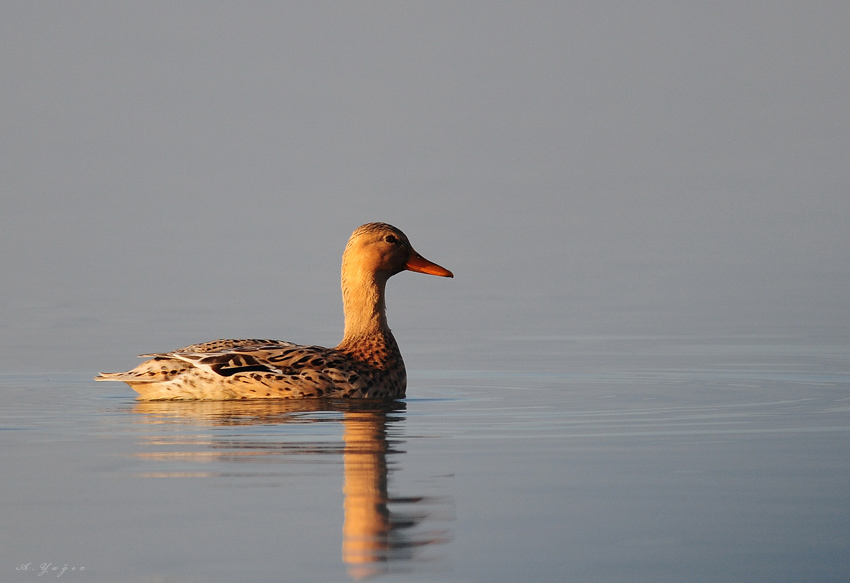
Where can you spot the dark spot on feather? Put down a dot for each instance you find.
(229, 371)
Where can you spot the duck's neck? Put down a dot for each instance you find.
(365, 310)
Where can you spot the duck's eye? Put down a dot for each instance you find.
(391, 239)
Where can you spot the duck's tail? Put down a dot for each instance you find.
(111, 376)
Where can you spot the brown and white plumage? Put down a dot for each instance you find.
(366, 364)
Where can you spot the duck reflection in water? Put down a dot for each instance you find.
(377, 537)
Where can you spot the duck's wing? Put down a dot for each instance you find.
(280, 358)
(269, 370)
(219, 357)
(225, 358)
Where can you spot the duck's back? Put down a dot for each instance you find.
(264, 369)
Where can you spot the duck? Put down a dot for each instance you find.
(367, 363)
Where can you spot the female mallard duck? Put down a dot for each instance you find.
(366, 364)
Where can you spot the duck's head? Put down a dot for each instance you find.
(381, 250)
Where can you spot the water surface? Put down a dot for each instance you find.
(569, 459)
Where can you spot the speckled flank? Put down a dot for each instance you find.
(366, 364)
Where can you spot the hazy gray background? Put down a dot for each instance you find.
(172, 173)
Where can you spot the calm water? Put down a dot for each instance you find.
(570, 459)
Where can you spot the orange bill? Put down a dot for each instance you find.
(421, 265)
